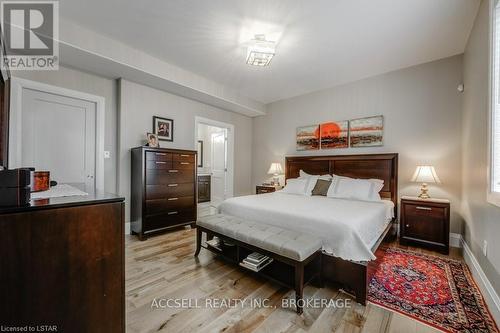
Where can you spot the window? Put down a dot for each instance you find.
(494, 174)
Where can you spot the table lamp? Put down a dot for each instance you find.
(275, 169)
(425, 174)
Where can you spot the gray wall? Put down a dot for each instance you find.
(138, 105)
(422, 110)
(482, 220)
(92, 84)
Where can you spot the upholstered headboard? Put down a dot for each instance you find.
(379, 166)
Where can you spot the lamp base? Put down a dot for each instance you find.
(276, 181)
(423, 192)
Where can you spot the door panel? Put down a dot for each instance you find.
(59, 136)
(219, 153)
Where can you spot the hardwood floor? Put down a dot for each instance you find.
(163, 267)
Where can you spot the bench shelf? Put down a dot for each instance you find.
(284, 271)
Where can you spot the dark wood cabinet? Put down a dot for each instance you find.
(204, 188)
(62, 264)
(164, 189)
(425, 223)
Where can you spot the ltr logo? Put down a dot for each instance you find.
(30, 31)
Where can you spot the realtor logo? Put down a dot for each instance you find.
(31, 35)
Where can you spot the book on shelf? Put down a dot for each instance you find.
(215, 243)
(256, 256)
(257, 267)
(255, 260)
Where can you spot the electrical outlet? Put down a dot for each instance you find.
(485, 248)
(107, 154)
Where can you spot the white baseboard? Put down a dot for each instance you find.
(489, 294)
(127, 228)
(455, 240)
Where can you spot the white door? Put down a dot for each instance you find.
(219, 167)
(58, 135)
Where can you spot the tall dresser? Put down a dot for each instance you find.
(163, 194)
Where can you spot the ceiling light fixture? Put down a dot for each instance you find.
(260, 51)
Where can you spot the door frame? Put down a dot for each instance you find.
(230, 148)
(15, 121)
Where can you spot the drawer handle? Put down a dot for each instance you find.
(184, 163)
(160, 154)
(407, 225)
(184, 155)
(159, 162)
(172, 185)
(173, 171)
(423, 208)
(173, 199)
(173, 213)
(263, 191)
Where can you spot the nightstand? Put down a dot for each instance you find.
(260, 189)
(426, 223)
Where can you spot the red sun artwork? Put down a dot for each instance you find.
(330, 129)
(334, 134)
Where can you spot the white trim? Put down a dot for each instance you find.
(491, 196)
(455, 240)
(127, 228)
(15, 121)
(490, 296)
(230, 147)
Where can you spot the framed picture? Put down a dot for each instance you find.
(308, 137)
(200, 153)
(164, 128)
(334, 134)
(152, 140)
(366, 132)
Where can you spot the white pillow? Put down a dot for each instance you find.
(295, 186)
(359, 189)
(303, 174)
(311, 183)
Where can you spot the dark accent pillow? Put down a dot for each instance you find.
(321, 187)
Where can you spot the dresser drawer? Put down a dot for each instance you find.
(184, 165)
(423, 211)
(170, 218)
(172, 203)
(162, 165)
(183, 157)
(169, 190)
(171, 176)
(155, 156)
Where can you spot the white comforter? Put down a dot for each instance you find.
(348, 228)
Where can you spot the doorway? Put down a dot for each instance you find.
(57, 130)
(215, 162)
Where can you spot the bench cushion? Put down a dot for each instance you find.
(286, 243)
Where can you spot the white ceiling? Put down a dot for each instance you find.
(320, 43)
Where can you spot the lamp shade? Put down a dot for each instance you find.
(425, 174)
(275, 169)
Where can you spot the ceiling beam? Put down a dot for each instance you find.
(89, 51)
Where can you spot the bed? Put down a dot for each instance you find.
(351, 231)
(347, 228)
